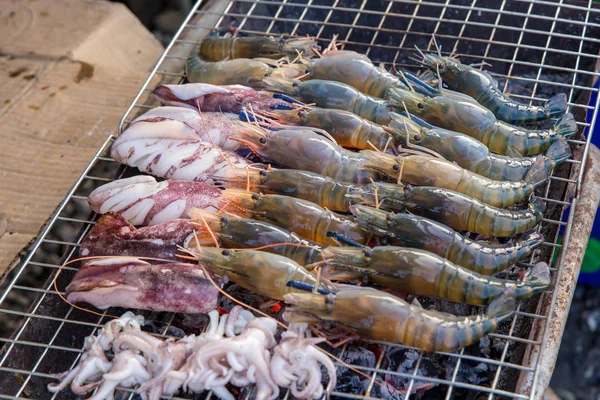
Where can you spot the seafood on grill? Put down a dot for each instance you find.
(263, 273)
(213, 98)
(218, 48)
(313, 152)
(348, 129)
(172, 153)
(142, 200)
(232, 231)
(210, 127)
(296, 364)
(133, 283)
(418, 232)
(331, 94)
(358, 71)
(377, 315)
(302, 217)
(93, 362)
(480, 123)
(454, 209)
(234, 349)
(481, 86)
(113, 235)
(237, 71)
(473, 155)
(420, 272)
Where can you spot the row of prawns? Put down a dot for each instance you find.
(330, 184)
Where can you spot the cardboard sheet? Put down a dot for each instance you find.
(68, 70)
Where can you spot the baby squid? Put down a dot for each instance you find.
(260, 272)
(299, 216)
(457, 210)
(473, 155)
(220, 48)
(481, 86)
(418, 232)
(237, 71)
(236, 232)
(376, 315)
(309, 151)
(420, 272)
(480, 123)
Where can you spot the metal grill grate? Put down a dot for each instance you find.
(537, 48)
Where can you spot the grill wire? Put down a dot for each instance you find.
(536, 48)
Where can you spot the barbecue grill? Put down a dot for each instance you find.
(536, 48)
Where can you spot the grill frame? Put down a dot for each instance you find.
(169, 67)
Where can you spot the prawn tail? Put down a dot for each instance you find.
(537, 205)
(538, 172)
(556, 105)
(538, 277)
(566, 125)
(279, 84)
(558, 152)
(528, 242)
(503, 306)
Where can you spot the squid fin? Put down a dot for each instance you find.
(556, 105)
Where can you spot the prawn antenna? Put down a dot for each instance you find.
(345, 240)
(307, 287)
(435, 43)
(210, 138)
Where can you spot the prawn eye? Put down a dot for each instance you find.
(421, 106)
(417, 138)
(226, 252)
(255, 196)
(295, 84)
(396, 167)
(224, 220)
(262, 172)
(369, 253)
(441, 67)
(307, 71)
(262, 140)
(389, 217)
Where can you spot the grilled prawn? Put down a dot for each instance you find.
(422, 233)
(423, 273)
(220, 48)
(480, 123)
(309, 151)
(299, 216)
(454, 209)
(377, 315)
(481, 86)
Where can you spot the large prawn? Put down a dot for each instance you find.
(414, 231)
(309, 151)
(481, 86)
(378, 315)
(456, 210)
